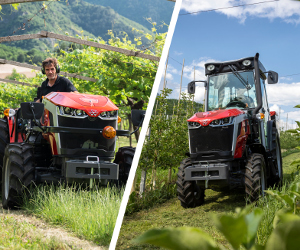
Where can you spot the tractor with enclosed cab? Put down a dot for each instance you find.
(235, 143)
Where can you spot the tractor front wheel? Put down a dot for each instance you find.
(124, 158)
(255, 177)
(17, 174)
(189, 193)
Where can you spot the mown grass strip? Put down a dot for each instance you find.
(89, 214)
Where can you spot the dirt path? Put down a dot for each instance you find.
(50, 231)
(6, 70)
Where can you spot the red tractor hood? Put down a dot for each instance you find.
(84, 102)
(205, 118)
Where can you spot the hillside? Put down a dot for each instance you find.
(74, 18)
(138, 10)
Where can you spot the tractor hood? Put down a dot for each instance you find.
(84, 102)
(205, 118)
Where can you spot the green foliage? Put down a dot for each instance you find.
(289, 151)
(76, 17)
(239, 229)
(150, 198)
(12, 53)
(178, 238)
(11, 95)
(126, 80)
(140, 10)
(290, 198)
(288, 140)
(167, 131)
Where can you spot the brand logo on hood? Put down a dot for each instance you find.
(89, 100)
(205, 122)
(93, 112)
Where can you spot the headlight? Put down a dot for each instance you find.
(194, 124)
(216, 122)
(211, 67)
(67, 111)
(246, 63)
(79, 112)
(109, 114)
(221, 122)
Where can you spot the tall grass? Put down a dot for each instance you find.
(90, 214)
(271, 205)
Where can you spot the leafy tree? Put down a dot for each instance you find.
(126, 80)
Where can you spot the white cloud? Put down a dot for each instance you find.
(276, 108)
(178, 53)
(287, 10)
(284, 94)
(169, 76)
(173, 70)
(196, 69)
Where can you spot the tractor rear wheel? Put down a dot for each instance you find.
(189, 193)
(124, 158)
(255, 177)
(17, 175)
(4, 140)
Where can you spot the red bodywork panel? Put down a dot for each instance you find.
(93, 105)
(205, 118)
(12, 126)
(242, 139)
(49, 136)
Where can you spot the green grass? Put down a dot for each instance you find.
(171, 214)
(15, 234)
(123, 141)
(89, 214)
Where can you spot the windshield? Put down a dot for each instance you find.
(228, 91)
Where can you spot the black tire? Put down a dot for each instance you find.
(124, 158)
(189, 193)
(4, 140)
(255, 177)
(18, 174)
(276, 175)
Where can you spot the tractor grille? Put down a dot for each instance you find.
(91, 141)
(211, 139)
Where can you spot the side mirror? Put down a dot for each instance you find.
(30, 108)
(137, 117)
(272, 77)
(191, 87)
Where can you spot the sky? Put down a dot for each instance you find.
(271, 28)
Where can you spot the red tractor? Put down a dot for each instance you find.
(235, 142)
(70, 137)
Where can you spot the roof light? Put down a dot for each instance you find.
(210, 67)
(246, 63)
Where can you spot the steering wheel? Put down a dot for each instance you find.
(236, 103)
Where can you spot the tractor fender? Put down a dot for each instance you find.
(270, 125)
